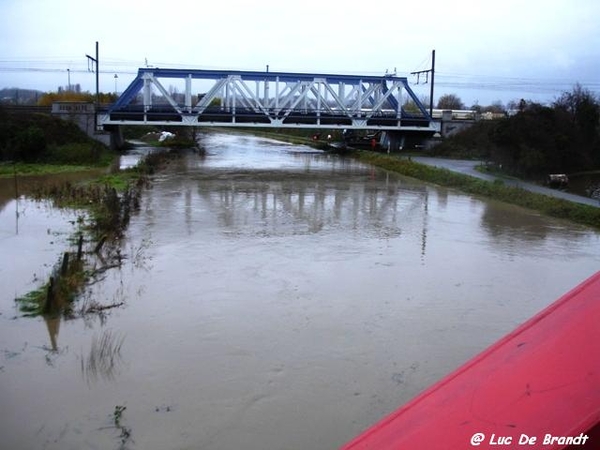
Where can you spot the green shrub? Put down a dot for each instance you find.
(37, 137)
(27, 144)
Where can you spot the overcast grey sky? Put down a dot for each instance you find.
(485, 50)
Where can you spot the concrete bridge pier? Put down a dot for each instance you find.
(116, 140)
(392, 141)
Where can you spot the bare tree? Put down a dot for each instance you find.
(450, 101)
(495, 107)
(584, 109)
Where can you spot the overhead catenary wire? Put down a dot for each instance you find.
(521, 86)
(131, 66)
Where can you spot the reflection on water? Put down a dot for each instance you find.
(135, 155)
(25, 185)
(587, 185)
(287, 206)
(278, 297)
(104, 358)
(53, 325)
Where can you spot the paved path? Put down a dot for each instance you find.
(468, 168)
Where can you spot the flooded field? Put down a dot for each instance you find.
(275, 297)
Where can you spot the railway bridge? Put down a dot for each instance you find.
(223, 98)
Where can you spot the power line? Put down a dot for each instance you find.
(39, 64)
(43, 70)
(517, 80)
(522, 86)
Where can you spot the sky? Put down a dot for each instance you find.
(486, 51)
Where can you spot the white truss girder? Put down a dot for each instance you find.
(223, 98)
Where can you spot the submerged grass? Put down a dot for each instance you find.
(104, 358)
(108, 202)
(57, 294)
(554, 207)
(31, 304)
(125, 432)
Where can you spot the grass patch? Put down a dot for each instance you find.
(9, 169)
(120, 181)
(32, 303)
(79, 153)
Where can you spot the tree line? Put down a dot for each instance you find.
(563, 137)
(72, 96)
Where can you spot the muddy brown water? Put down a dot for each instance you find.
(275, 297)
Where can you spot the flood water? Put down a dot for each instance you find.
(275, 297)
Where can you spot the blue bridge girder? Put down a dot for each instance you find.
(227, 98)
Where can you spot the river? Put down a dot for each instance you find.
(275, 297)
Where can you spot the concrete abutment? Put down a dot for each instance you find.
(83, 114)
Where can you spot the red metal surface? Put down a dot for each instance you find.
(542, 379)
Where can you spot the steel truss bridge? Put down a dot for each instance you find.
(267, 99)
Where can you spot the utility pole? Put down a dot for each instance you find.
(97, 79)
(432, 83)
(95, 61)
(426, 72)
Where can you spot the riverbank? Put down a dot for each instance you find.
(104, 205)
(18, 169)
(496, 189)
